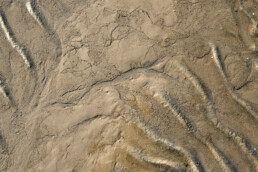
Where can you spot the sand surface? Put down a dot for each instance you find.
(128, 85)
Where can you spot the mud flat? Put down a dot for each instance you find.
(128, 85)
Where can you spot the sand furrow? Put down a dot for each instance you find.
(11, 39)
(225, 164)
(34, 13)
(3, 91)
(194, 164)
(165, 164)
(211, 115)
(239, 100)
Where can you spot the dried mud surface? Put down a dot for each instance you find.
(136, 85)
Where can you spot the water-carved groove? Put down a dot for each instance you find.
(37, 15)
(10, 38)
(165, 164)
(31, 9)
(240, 101)
(194, 164)
(211, 115)
(3, 91)
(225, 164)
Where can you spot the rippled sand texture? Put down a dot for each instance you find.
(128, 85)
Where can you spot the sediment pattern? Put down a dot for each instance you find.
(194, 164)
(12, 40)
(211, 114)
(3, 91)
(128, 86)
(35, 14)
(239, 100)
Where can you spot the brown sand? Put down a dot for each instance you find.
(128, 85)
